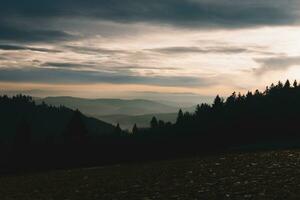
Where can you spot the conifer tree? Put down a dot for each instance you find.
(295, 84)
(118, 130)
(153, 123)
(135, 129)
(179, 117)
(287, 84)
(218, 102)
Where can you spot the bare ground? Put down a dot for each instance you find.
(260, 175)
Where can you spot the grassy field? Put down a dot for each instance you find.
(260, 175)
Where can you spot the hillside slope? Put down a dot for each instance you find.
(45, 121)
(110, 106)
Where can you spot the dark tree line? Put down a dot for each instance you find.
(255, 117)
(41, 136)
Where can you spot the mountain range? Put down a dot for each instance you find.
(122, 111)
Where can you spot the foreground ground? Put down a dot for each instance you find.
(261, 175)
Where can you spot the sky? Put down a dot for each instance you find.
(169, 49)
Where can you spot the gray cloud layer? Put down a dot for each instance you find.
(207, 50)
(276, 64)
(227, 13)
(19, 47)
(187, 13)
(61, 75)
(36, 21)
(31, 34)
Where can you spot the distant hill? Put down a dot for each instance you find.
(124, 112)
(102, 107)
(46, 122)
(127, 121)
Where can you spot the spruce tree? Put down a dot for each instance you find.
(153, 123)
(179, 117)
(118, 130)
(295, 84)
(135, 129)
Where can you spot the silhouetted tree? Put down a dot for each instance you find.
(118, 130)
(231, 99)
(161, 124)
(179, 117)
(279, 85)
(218, 103)
(153, 123)
(135, 129)
(295, 84)
(198, 110)
(287, 84)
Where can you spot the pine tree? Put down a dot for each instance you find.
(153, 123)
(218, 102)
(198, 110)
(118, 130)
(179, 117)
(295, 84)
(287, 84)
(135, 129)
(231, 99)
(161, 124)
(279, 85)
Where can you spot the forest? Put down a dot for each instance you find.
(37, 137)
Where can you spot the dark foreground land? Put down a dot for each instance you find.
(260, 175)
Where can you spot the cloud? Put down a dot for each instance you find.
(31, 34)
(280, 63)
(19, 47)
(93, 50)
(63, 64)
(111, 67)
(208, 50)
(46, 75)
(35, 21)
(190, 13)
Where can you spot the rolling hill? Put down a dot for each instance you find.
(124, 112)
(102, 107)
(127, 121)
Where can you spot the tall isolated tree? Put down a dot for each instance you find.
(135, 129)
(153, 123)
(118, 130)
(295, 84)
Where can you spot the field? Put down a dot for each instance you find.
(258, 175)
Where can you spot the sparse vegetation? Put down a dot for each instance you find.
(260, 175)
